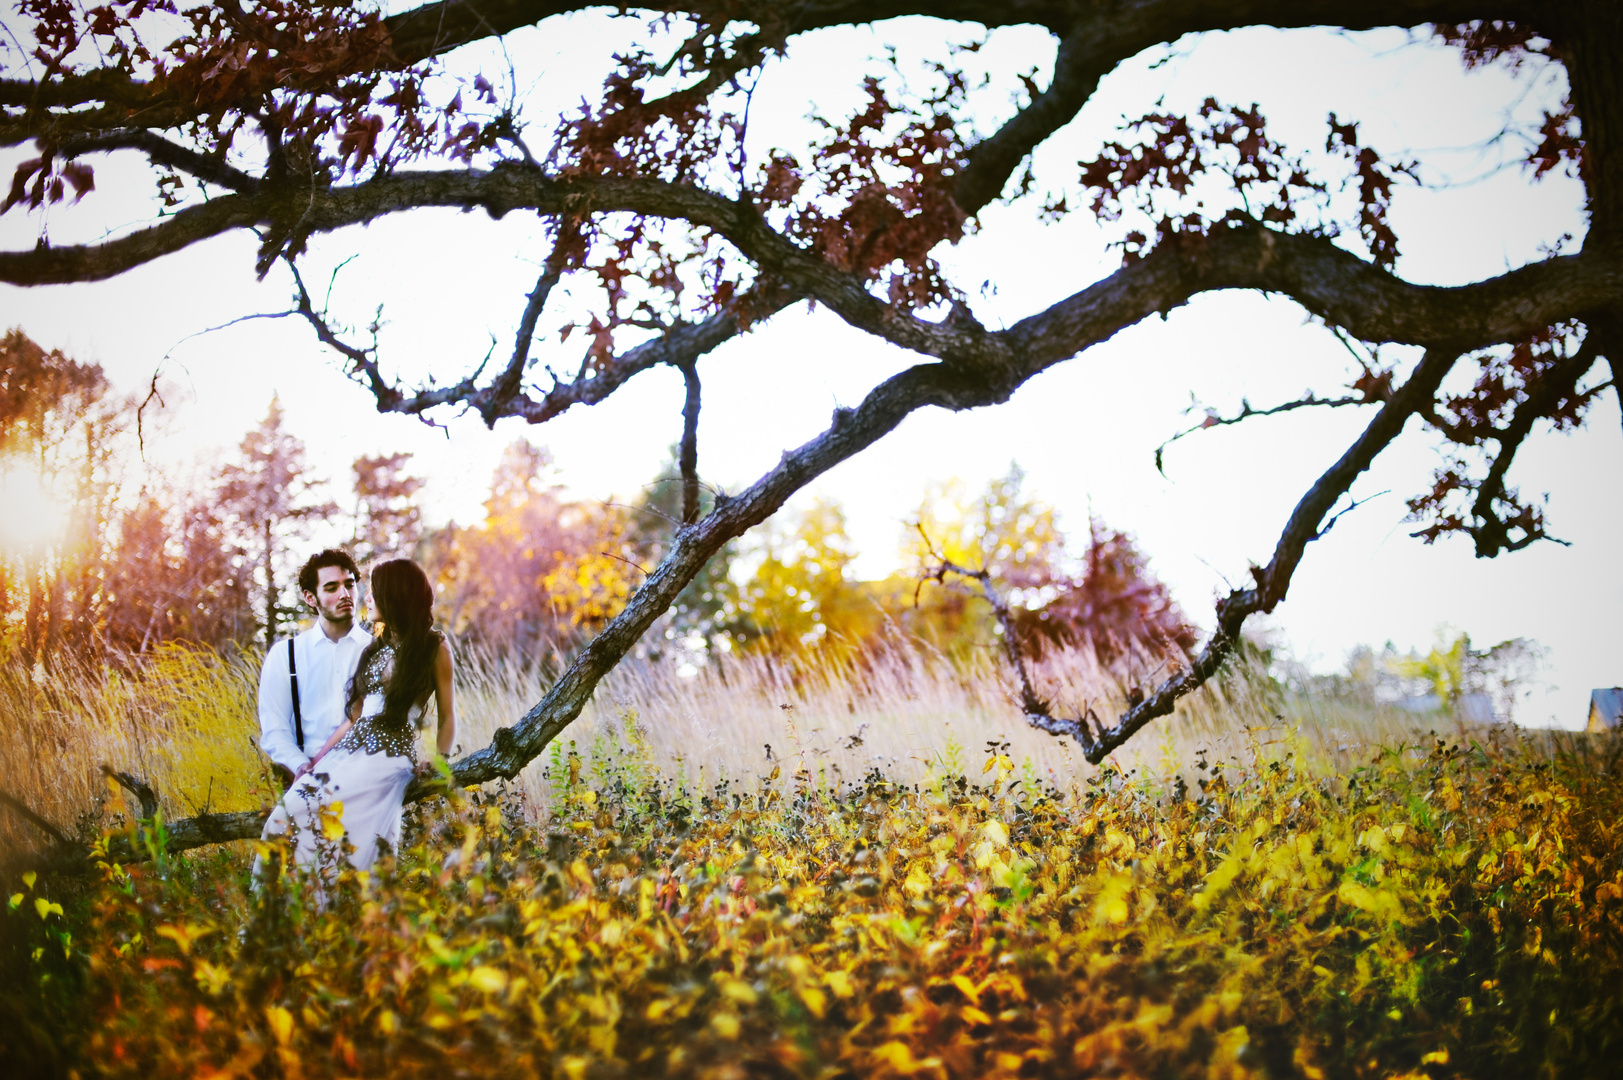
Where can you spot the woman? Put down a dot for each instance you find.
(367, 763)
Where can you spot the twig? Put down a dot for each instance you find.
(1354, 505)
(140, 412)
(1247, 411)
(1037, 711)
(493, 402)
(365, 366)
(625, 560)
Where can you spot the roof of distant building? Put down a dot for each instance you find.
(1605, 708)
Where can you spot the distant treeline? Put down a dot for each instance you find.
(117, 559)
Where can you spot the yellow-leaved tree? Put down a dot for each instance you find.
(1002, 529)
(803, 594)
(1104, 598)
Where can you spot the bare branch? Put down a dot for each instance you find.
(1302, 528)
(1213, 419)
(364, 364)
(1036, 710)
(45, 265)
(494, 401)
(851, 431)
(679, 344)
(1344, 511)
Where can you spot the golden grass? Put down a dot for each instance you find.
(184, 720)
(903, 711)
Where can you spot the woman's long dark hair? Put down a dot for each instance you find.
(406, 610)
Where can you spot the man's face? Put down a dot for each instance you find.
(334, 597)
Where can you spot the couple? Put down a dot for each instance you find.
(339, 708)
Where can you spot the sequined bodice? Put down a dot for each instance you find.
(374, 733)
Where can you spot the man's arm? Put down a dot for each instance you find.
(276, 713)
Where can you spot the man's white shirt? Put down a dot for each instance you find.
(325, 668)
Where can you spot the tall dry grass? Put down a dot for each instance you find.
(902, 711)
(184, 720)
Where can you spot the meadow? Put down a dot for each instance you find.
(183, 719)
(911, 884)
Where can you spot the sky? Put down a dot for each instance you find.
(1085, 433)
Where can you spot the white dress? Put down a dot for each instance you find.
(364, 775)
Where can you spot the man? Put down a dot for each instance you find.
(323, 662)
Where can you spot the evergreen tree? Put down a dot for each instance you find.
(387, 520)
(270, 498)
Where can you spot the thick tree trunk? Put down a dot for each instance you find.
(1589, 42)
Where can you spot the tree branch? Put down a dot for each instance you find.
(142, 791)
(46, 265)
(40, 823)
(1273, 581)
(1030, 703)
(1082, 59)
(159, 151)
(1492, 534)
(1247, 412)
(688, 458)
(71, 91)
(1342, 289)
(495, 400)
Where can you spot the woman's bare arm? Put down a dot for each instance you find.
(445, 698)
(332, 740)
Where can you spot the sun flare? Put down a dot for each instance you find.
(31, 517)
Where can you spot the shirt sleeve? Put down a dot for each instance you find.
(276, 711)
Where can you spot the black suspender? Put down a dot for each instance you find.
(293, 675)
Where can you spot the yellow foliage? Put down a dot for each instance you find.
(1288, 921)
(802, 594)
(280, 1022)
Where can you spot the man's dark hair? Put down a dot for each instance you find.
(310, 573)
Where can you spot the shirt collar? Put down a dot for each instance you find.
(356, 634)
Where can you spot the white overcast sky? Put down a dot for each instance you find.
(1085, 432)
